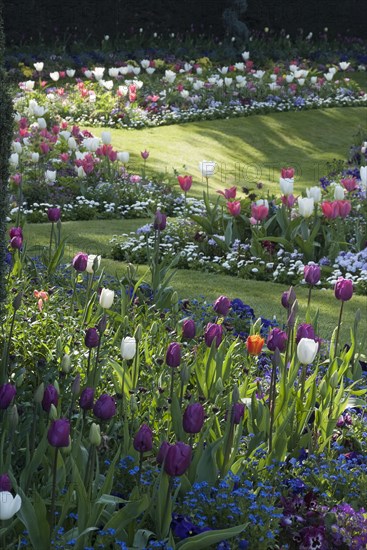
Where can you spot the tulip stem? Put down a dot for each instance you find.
(96, 363)
(50, 247)
(272, 397)
(338, 330)
(53, 493)
(207, 186)
(309, 297)
(172, 382)
(5, 367)
(140, 469)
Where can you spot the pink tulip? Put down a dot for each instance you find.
(287, 173)
(350, 184)
(234, 208)
(144, 154)
(289, 200)
(185, 182)
(229, 193)
(330, 209)
(259, 212)
(344, 208)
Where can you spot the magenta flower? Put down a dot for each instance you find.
(144, 154)
(54, 214)
(80, 261)
(312, 274)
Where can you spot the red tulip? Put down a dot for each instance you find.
(185, 182)
(330, 209)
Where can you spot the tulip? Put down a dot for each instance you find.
(339, 192)
(55, 76)
(185, 182)
(288, 298)
(105, 407)
(16, 232)
(305, 331)
(70, 73)
(93, 263)
(86, 399)
(38, 66)
(254, 344)
(343, 289)
(277, 339)
(213, 332)
(306, 206)
(287, 173)
(91, 338)
(330, 209)
(207, 168)
(350, 184)
(286, 186)
(35, 157)
(143, 440)
(160, 221)
(234, 208)
(259, 212)
(188, 329)
(80, 261)
(344, 208)
(307, 349)
(222, 305)
(54, 214)
(193, 418)
(123, 157)
(59, 433)
(9, 505)
(163, 449)
(5, 483)
(50, 397)
(312, 274)
(106, 298)
(128, 348)
(314, 193)
(106, 137)
(177, 459)
(229, 193)
(17, 179)
(16, 243)
(7, 394)
(173, 355)
(144, 154)
(363, 176)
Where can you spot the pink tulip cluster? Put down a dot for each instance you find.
(336, 209)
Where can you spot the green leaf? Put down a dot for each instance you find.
(128, 513)
(208, 538)
(57, 257)
(34, 518)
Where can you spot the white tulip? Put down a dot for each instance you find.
(170, 76)
(306, 206)
(339, 192)
(199, 70)
(245, 56)
(145, 63)
(150, 70)
(128, 347)
(207, 168)
(332, 70)
(38, 66)
(313, 79)
(136, 70)
(106, 298)
(187, 67)
(307, 350)
(65, 134)
(286, 185)
(240, 66)
(41, 123)
(363, 176)
(88, 74)
(72, 144)
(123, 70)
(55, 76)
(50, 176)
(329, 76)
(93, 264)
(314, 193)
(113, 71)
(123, 156)
(98, 72)
(293, 68)
(344, 65)
(91, 144)
(223, 70)
(35, 157)
(17, 147)
(107, 84)
(289, 78)
(9, 505)
(38, 110)
(184, 94)
(262, 202)
(14, 159)
(259, 74)
(123, 90)
(228, 81)
(70, 72)
(80, 171)
(29, 84)
(106, 137)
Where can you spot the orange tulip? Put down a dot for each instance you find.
(254, 344)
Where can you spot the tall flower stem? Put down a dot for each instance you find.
(309, 297)
(51, 240)
(338, 330)
(53, 493)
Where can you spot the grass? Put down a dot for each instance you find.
(93, 237)
(249, 149)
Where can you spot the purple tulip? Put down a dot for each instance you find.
(86, 399)
(143, 440)
(80, 261)
(305, 331)
(343, 289)
(173, 354)
(5, 483)
(193, 418)
(16, 232)
(222, 305)
(7, 394)
(312, 274)
(277, 339)
(160, 221)
(178, 459)
(238, 412)
(50, 397)
(59, 432)
(54, 214)
(91, 338)
(105, 407)
(188, 329)
(288, 298)
(16, 243)
(163, 449)
(213, 332)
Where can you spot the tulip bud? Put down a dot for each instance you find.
(95, 435)
(254, 344)
(154, 328)
(343, 289)
(50, 397)
(5, 483)
(288, 298)
(213, 332)
(86, 399)
(20, 378)
(138, 333)
(52, 413)
(174, 298)
(128, 348)
(188, 329)
(173, 355)
(80, 262)
(91, 339)
(333, 382)
(185, 374)
(66, 363)
(17, 301)
(193, 418)
(59, 433)
(323, 389)
(38, 394)
(312, 274)
(160, 221)
(102, 324)
(105, 407)
(177, 459)
(13, 417)
(222, 305)
(143, 440)
(307, 350)
(7, 394)
(93, 263)
(293, 314)
(235, 394)
(106, 298)
(219, 387)
(75, 387)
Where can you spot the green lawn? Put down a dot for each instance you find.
(249, 149)
(93, 237)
